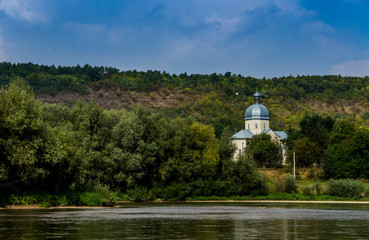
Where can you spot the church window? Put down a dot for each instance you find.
(248, 125)
(264, 125)
(256, 125)
(239, 151)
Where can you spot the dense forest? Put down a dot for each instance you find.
(170, 151)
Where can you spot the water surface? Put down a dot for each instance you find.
(191, 221)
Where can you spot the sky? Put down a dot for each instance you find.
(258, 38)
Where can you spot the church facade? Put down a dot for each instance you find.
(257, 122)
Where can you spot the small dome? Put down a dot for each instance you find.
(257, 111)
(257, 95)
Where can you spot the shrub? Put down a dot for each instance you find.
(107, 197)
(100, 196)
(347, 188)
(307, 190)
(318, 188)
(140, 194)
(286, 185)
(290, 184)
(90, 199)
(176, 191)
(245, 179)
(366, 192)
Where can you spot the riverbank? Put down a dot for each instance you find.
(278, 201)
(31, 207)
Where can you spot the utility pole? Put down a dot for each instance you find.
(294, 165)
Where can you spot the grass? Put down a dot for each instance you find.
(278, 196)
(99, 196)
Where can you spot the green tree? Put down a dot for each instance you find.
(264, 151)
(31, 154)
(245, 178)
(307, 152)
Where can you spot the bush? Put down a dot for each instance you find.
(90, 199)
(307, 190)
(347, 188)
(41, 199)
(366, 192)
(318, 188)
(290, 184)
(100, 196)
(286, 185)
(176, 191)
(245, 179)
(140, 194)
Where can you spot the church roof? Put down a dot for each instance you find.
(243, 134)
(247, 134)
(265, 131)
(281, 134)
(257, 95)
(257, 111)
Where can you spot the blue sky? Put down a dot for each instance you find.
(250, 37)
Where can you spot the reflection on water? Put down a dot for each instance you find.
(191, 221)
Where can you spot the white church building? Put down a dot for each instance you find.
(257, 122)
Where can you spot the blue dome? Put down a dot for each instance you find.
(257, 111)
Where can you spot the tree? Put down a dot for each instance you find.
(264, 151)
(307, 152)
(349, 158)
(317, 129)
(32, 155)
(245, 177)
(226, 150)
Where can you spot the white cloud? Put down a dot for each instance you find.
(22, 10)
(358, 68)
(318, 27)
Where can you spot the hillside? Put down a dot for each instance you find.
(156, 135)
(217, 99)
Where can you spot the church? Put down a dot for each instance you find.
(257, 122)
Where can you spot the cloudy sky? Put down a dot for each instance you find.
(250, 37)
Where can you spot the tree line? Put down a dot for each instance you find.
(52, 148)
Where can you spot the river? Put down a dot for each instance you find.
(191, 221)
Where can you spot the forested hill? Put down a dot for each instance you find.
(216, 99)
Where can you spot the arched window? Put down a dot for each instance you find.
(248, 126)
(264, 125)
(256, 125)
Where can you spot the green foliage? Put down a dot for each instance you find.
(99, 196)
(307, 190)
(140, 194)
(307, 153)
(245, 178)
(286, 185)
(88, 150)
(347, 188)
(347, 156)
(318, 188)
(264, 151)
(176, 192)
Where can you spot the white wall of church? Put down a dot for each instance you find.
(256, 126)
(240, 145)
